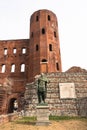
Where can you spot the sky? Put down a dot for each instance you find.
(72, 25)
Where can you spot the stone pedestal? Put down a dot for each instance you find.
(42, 115)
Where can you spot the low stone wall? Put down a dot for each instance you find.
(57, 105)
(8, 117)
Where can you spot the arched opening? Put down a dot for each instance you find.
(50, 47)
(44, 60)
(3, 68)
(43, 31)
(11, 106)
(23, 50)
(48, 17)
(5, 51)
(54, 34)
(57, 66)
(14, 50)
(37, 47)
(13, 68)
(22, 67)
(37, 18)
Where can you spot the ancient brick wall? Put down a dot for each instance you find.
(57, 105)
(13, 52)
(21, 60)
(14, 60)
(14, 66)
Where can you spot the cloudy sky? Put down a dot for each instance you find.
(72, 21)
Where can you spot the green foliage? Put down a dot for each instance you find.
(26, 120)
(57, 118)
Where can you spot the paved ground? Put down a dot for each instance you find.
(55, 125)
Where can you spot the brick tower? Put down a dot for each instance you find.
(44, 46)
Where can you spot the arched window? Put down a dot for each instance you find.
(22, 67)
(5, 51)
(43, 31)
(57, 66)
(44, 60)
(54, 34)
(37, 47)
(50, 47)
(23, 50)
(3, 68)
(13, 68)
(37, 18)
(14, 50)
(48, 17)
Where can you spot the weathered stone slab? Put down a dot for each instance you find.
(67, 90)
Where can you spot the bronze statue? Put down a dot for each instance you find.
(42, 88)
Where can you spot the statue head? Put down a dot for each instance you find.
(42, 74)
(37, 76)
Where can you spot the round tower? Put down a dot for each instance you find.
(44, 46)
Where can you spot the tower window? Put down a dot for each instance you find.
(24, 50)
(48, 17)
(43, 31)
(57, 66)
(50, 47)
(22, 67)
(14, 51)
(13, 68)
(3, 68)
(5, 51)
(37, 47)
(37, 18)
(54, 34)
(44, 60)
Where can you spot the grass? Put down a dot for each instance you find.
(32, 120)
(57, 118)
(26, 120)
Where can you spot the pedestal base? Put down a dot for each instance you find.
(42, 115)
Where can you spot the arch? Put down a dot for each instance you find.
(14, 50)
(37, 47)
(22, 67)
(44, 60)
(37, 18)
(57, 66)
(54, 34)
(23, 50)
(11, 106)
(13, 68)
(50, 47)
(5, 51)
(43, 31)
(3, 68)
(49, 18)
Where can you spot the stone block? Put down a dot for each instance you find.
(42, 115)
(67, 90)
